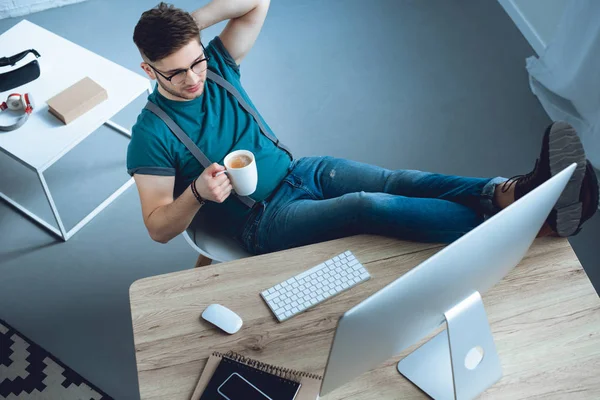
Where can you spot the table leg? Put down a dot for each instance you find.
(202, 261)
(61, 232)
(119, 128)
(101, 207)
(61, 227)
(31, 215)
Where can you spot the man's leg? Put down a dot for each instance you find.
(330, 177)
(305, 221)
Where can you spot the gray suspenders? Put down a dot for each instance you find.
(194, 149)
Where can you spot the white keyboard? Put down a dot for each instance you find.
(315, 285)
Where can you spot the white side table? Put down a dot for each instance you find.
(43, 140)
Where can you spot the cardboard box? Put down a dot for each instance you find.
(76, 100)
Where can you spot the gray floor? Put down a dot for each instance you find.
(438, 86)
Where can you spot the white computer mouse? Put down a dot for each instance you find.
(223, 318)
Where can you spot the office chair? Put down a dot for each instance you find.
(211, 244)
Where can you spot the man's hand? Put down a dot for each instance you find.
(165, 217)
(214, 187)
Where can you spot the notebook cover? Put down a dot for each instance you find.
(310, 384)
(273, 386)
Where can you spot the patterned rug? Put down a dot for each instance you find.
(28, 372)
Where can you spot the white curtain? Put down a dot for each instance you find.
(566, 77)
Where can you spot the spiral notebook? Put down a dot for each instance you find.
(236, 376)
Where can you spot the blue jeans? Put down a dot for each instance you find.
(325, 198)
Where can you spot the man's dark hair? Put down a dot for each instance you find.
(163, 30)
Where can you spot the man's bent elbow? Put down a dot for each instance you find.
(159, 237)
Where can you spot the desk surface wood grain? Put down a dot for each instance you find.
(544, 315)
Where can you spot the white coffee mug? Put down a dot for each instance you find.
(245, 179)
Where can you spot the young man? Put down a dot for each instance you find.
(307, 200)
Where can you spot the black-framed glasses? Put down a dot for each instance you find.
(197, 67)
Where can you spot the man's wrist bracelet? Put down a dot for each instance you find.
(196, 194)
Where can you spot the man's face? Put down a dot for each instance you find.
(193, 84)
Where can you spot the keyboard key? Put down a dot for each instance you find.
(271, 295)
(329, 262)
(310, 271)
(336, 258)
(348, 254)
(277, 287)
(295, 310)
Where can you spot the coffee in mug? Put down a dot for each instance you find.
(240, 161)
(242, 171)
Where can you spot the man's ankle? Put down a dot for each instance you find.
(503, 199)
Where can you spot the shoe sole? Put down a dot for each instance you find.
(595, 194)
(565, 148)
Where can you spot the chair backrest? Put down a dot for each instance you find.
(211, 243)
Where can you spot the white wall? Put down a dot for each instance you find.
(15, 8)
(536, 19)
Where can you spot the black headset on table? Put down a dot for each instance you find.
(15, 78)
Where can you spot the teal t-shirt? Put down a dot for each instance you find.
(218, 125)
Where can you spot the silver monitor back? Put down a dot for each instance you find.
(413, 306)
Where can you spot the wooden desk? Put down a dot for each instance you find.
(545, 317)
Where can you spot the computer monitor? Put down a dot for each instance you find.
(461, 361)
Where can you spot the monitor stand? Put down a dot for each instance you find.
(449, 366)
